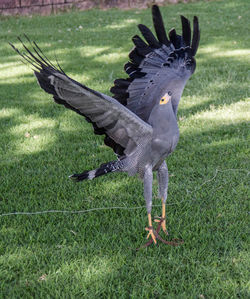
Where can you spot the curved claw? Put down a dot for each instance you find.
(151, 233)
(155, 233)
(162, 221)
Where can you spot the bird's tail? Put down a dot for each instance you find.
(103, 169)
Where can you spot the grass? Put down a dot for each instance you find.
(62, 255)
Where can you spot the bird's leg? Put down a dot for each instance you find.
(148, 181)
(163, 188)
(163, 217)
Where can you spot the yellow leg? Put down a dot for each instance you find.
(150, 229)
(163, 216)
(163, 224)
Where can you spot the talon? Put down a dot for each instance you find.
(162, 221)
(155, 233)
(163, 226)
(151, 233)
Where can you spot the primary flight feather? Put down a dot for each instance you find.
(140, 121)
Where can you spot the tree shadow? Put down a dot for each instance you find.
(75, 61)
(36, 180)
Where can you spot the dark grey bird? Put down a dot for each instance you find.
(140, 121)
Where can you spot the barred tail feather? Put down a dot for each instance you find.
(103, 169)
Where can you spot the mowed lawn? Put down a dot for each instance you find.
(91, 255)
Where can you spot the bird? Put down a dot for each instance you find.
(139, 122)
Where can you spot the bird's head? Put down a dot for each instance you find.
(162, 109)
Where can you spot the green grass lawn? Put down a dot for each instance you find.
(87, 255)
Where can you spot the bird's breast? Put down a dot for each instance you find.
(165, 144)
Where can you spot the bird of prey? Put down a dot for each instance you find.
(140, 121)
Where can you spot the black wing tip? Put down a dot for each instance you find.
(155, 8)
(136, 37)
(196, 35)
(196, 23)
(172, 31)
(149, 36)
(141, 26)
(185, 38)
(26, 36)
(13, 47)
(186, 30)
(196, 19)
(185, 21)
(159, 25)
(34, 55)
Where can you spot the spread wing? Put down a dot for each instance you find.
(157, 66)
(123, 129)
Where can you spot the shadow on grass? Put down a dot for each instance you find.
(228, 93)
(88, 251)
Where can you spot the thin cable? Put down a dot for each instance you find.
(74, 212)
(122, 208)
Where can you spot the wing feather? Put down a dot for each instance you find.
(120, 125)
(186, 31)
(159, 26)
(158, 65)
(148, 35)
(196, 36)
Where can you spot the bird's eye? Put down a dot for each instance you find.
(165, 99)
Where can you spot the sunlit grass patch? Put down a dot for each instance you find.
(8, 112)
(237, 112)
(114, 57)
(122, 24)
(92, 51)
(215, 51)
(34, 135)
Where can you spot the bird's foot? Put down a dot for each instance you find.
(162, 222)
(151, 233)
(155, 235)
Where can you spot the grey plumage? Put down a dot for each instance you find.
(140, 122)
